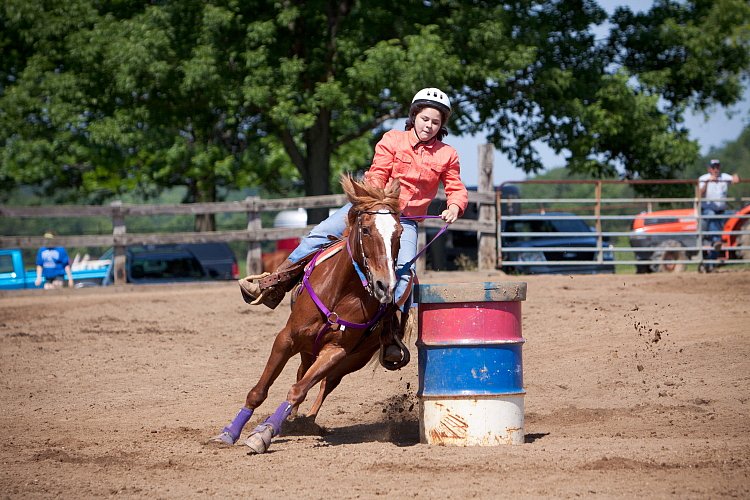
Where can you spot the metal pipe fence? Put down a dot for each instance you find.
(540, 234)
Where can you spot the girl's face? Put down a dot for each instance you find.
(427, 123)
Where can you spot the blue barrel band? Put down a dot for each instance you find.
(464, 370)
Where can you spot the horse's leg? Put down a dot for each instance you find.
(281, 351)
(305, 363)
(260, 439)
(355, 361)
(325, 389)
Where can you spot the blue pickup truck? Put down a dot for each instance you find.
(146, 264)
(14, 276)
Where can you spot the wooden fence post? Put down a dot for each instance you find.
(120, 254)
(487, 254)
(254, 260)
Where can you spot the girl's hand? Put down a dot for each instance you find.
(450, 214)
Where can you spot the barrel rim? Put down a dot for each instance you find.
(468, 342)
(478, 291)
(503, 395)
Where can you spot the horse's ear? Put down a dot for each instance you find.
(353, 189)
(360, 191)
(393, 188)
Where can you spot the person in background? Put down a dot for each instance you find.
(52, 264)
(713, 188)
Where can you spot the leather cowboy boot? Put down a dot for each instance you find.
(393, 352)
(269, 288)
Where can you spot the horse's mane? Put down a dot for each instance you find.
(365, 197)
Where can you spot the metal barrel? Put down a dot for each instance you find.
(470, 363)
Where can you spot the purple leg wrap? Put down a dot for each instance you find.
(279, 416)
(235, 428)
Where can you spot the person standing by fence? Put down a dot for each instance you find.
(52, 264)
(714, 186)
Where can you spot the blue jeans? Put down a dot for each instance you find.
(335, 225)
(713, 225)
(708, 209)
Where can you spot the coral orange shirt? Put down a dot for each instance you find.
(420, 167)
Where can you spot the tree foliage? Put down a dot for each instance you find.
(103, 98)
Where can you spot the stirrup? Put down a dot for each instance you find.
(395, 365)
(271, 297)
(389, 337)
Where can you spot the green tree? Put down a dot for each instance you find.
(111, 97)
(617, 105)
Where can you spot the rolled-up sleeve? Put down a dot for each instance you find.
(455, 191)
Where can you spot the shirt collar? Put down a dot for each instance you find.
(414, 141)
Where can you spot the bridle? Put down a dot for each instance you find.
(365, 276)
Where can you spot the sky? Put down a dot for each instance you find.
(721, 126)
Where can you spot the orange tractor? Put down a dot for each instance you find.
(669, 235)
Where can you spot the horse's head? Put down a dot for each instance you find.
(374, 234)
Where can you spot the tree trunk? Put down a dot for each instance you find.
(205, 222)
(204, 192)
(317, 171)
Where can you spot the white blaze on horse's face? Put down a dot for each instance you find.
(387, 225)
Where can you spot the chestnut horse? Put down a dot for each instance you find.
(347, 288)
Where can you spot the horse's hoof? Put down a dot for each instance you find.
(260, 440)
(223, 438)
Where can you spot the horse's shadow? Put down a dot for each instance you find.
(399, 432)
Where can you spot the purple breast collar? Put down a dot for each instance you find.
(333, 322)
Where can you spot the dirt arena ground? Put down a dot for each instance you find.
(637, 386)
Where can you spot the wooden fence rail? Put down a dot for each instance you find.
(254, 234)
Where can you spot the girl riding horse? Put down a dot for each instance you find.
(419, 159)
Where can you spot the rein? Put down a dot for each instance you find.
(407, 267)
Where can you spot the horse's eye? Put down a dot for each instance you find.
(366, 231)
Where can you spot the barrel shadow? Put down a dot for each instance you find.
(530, 438)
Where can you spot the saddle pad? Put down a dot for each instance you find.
(330, 251)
